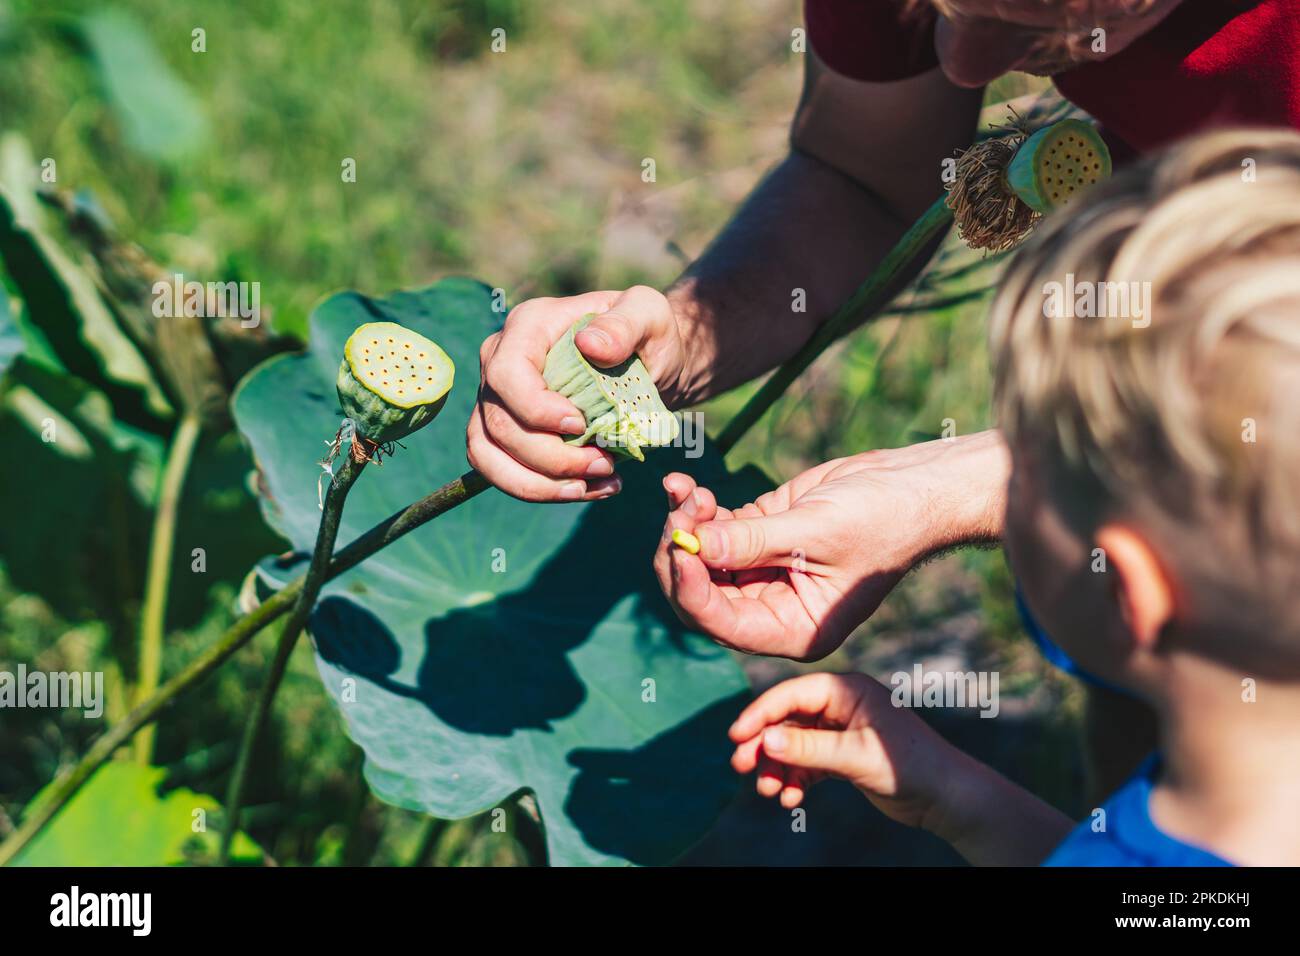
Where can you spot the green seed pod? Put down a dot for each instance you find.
(392, 380)
(622, 406)
(1058, 162)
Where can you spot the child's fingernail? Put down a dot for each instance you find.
(774, 739)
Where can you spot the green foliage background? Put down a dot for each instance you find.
(522, 166)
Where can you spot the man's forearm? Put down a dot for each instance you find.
(967, 493)
(800, 245)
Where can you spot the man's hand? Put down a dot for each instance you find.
(793, 573)
(514, 433)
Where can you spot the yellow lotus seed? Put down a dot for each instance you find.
(686, 541)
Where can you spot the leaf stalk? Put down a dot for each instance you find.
(162, 544)
(313, 581)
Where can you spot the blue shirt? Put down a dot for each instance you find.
(1131, 837)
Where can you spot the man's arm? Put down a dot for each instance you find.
(865, 162)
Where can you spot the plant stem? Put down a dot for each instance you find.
(153, 617)
(453, 493)
(431, 830)
(871, 296)
(354, 843)
(400, 523)
(313, 581)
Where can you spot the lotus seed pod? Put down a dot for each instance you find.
(392, 380)
(622, 406)
(686, 541)
(1057, 163)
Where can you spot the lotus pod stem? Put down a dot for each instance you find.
(908, 254)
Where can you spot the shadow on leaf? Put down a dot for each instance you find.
(682, 774)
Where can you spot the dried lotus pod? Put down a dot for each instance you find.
(1003, 186)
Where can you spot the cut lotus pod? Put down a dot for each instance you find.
(622, 406)
(392, 380)
(1057, 163)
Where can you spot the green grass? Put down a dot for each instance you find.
(505, 165)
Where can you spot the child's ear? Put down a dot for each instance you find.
(1140, 584)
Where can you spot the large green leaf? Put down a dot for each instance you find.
(120, 819)
(97, 481)
(465, 679)
(160, 115)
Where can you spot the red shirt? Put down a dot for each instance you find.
(1208, 63)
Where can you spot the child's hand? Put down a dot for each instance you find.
(844, 725)
(793, 573)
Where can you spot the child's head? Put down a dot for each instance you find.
(1146, 349)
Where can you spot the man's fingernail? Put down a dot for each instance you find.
(605, 487)
(598, 338)
(688, 506)
(774, 739)
(599, 468)
(573, 490)
(572, 425)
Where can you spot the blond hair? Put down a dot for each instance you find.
(1186, 419)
